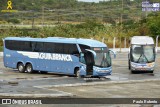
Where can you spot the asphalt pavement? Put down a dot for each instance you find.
(13, 83)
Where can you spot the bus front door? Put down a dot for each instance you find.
(89, 59)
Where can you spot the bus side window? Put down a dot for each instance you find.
(58, 48)
(39, 47)
(48, 47)
(82, 60)
(71, 49)
(33, 45)
(26, 46)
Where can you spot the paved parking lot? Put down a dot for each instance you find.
(121, 84)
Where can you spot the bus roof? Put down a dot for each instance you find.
(88, 42)
(142, 40)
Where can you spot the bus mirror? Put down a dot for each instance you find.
(113, 52)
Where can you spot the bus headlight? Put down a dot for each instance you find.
(150, 65)
(133, 65)
(96, 69)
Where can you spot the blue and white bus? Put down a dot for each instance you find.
(79, 57)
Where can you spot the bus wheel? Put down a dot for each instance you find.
(133, 72)
(29, 68)
(151, 71)
(77, 73)
(21, 68)
(129, 65)
(43, 72)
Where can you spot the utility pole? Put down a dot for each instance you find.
(33, 21)
(42, 16)
(114, 43)
(146, 10)
(33, 17)
(125, 42)
(58, 17)
(121, 26)
(58, 12)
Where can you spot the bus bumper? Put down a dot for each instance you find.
(102, 71)
(142, 67)
(97, 71)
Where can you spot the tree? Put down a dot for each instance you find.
(153, 23)
(13, 20)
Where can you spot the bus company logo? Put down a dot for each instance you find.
(9, 7)
(47, 56)
(6, 101)
(55, 57)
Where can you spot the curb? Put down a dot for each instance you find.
(97, 83)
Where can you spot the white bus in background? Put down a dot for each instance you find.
(142, 54)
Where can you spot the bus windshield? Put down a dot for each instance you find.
(143, 53)
(102, 58)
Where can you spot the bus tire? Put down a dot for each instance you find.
(133, 72)
(129, 65)
(29, 68)
(77, 73)
(43, 72)
(21, 67)
(151, 71)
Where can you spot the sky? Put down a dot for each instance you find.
(96, 1)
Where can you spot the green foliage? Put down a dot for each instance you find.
(13, 20)
(72, 10)
(153, 22)
(86, 20)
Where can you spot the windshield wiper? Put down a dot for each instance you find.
(139, 58)
(145, 57)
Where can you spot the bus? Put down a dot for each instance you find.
(142, 54)
(72, 56)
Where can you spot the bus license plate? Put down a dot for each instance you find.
(141, 69)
